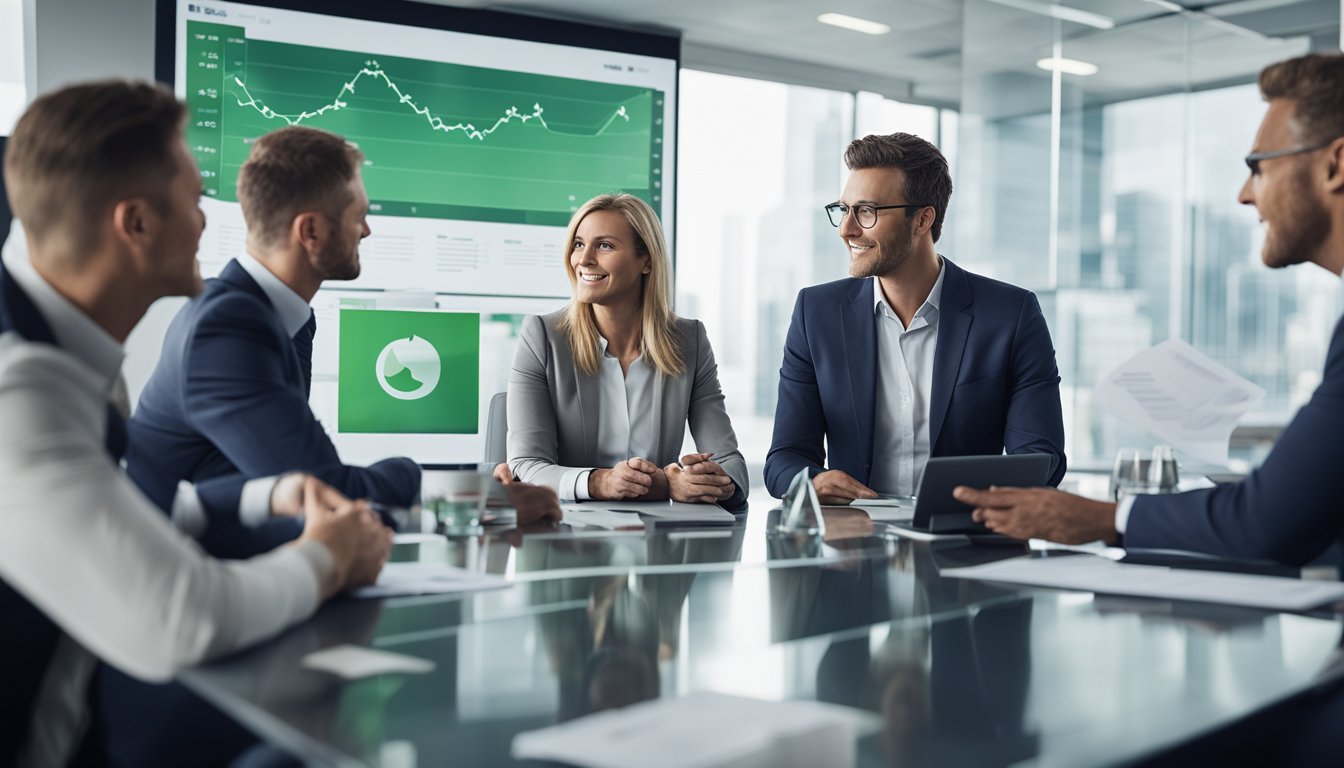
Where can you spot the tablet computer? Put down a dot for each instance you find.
(936, 511)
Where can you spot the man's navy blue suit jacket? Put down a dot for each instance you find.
(230, 395)
(995, 381)
(1288, 510)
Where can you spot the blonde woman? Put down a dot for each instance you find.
(601, 392)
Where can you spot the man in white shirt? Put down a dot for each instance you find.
(106, 189)
(1288, 509)
(912, 356)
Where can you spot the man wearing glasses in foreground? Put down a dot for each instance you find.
(912, 356)
(1288, 510)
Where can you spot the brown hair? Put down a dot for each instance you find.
(927, 181)
(1315, 83)
(80, 150)
(293, 170)
(660, 343)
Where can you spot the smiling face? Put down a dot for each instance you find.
(1296, 221)
(174, 251)
(605, 264)
(884, 248)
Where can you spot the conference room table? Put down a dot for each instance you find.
(949, 671)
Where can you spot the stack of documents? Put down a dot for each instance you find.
(704, 730)
(399, 579)
(1098, 574)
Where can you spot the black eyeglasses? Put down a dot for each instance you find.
(1253, 159)
(866, 215)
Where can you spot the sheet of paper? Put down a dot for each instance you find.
(597, 517)
(1180, 395)
(1096, 574)
(353, 662)
(422, 578)
(663, 510)
(886, 513)
(885, 500)
(704, 730)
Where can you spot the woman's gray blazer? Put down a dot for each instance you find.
(553, 408)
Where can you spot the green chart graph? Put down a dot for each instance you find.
(441, 140)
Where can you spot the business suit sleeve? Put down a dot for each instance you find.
(708, 417)
(800, 423)
(1035, 422)
(236, 393)
(1288, 510)
(534, 441)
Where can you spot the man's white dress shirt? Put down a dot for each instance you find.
(85, 547)
(624, 422)
(904, 387)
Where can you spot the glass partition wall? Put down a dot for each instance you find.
(1099, 165)
(1112, 195)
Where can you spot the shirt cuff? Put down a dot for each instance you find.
(574, 485)
(1122, 511)
(188, 513)
(254, 504)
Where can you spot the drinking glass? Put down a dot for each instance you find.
(1162, 473)
(1131, 473)
(456, 498)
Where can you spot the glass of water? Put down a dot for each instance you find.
(1130, 475)
(456, 498)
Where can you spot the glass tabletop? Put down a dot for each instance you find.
(953, 671)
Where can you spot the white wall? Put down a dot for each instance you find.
(67, 41)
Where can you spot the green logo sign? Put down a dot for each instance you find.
(409, 371)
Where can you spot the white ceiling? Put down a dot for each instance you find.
(935, 43)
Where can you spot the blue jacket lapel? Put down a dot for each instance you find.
(860, 338)
(954, 325)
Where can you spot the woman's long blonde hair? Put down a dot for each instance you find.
(659, 344)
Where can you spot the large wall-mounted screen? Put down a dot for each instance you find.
(482, 133)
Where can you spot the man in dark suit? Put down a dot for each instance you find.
(1288, 509)
(230, 392)
(913, 356)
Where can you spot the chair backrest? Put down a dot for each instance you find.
(497, 430)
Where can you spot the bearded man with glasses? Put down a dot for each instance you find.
(912, 356)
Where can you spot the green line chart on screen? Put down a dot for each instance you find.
(441, 140)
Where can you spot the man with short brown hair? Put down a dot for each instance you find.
(1288, 509)
(230, 392)
(103, 182)
(912, 356)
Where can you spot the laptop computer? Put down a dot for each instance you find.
(936, 511)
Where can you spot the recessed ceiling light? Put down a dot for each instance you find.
(1062, 12)
(1067, 66)
(858, 25)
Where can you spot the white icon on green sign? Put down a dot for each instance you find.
(408, 369)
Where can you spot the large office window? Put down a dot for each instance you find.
(1114, 197)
